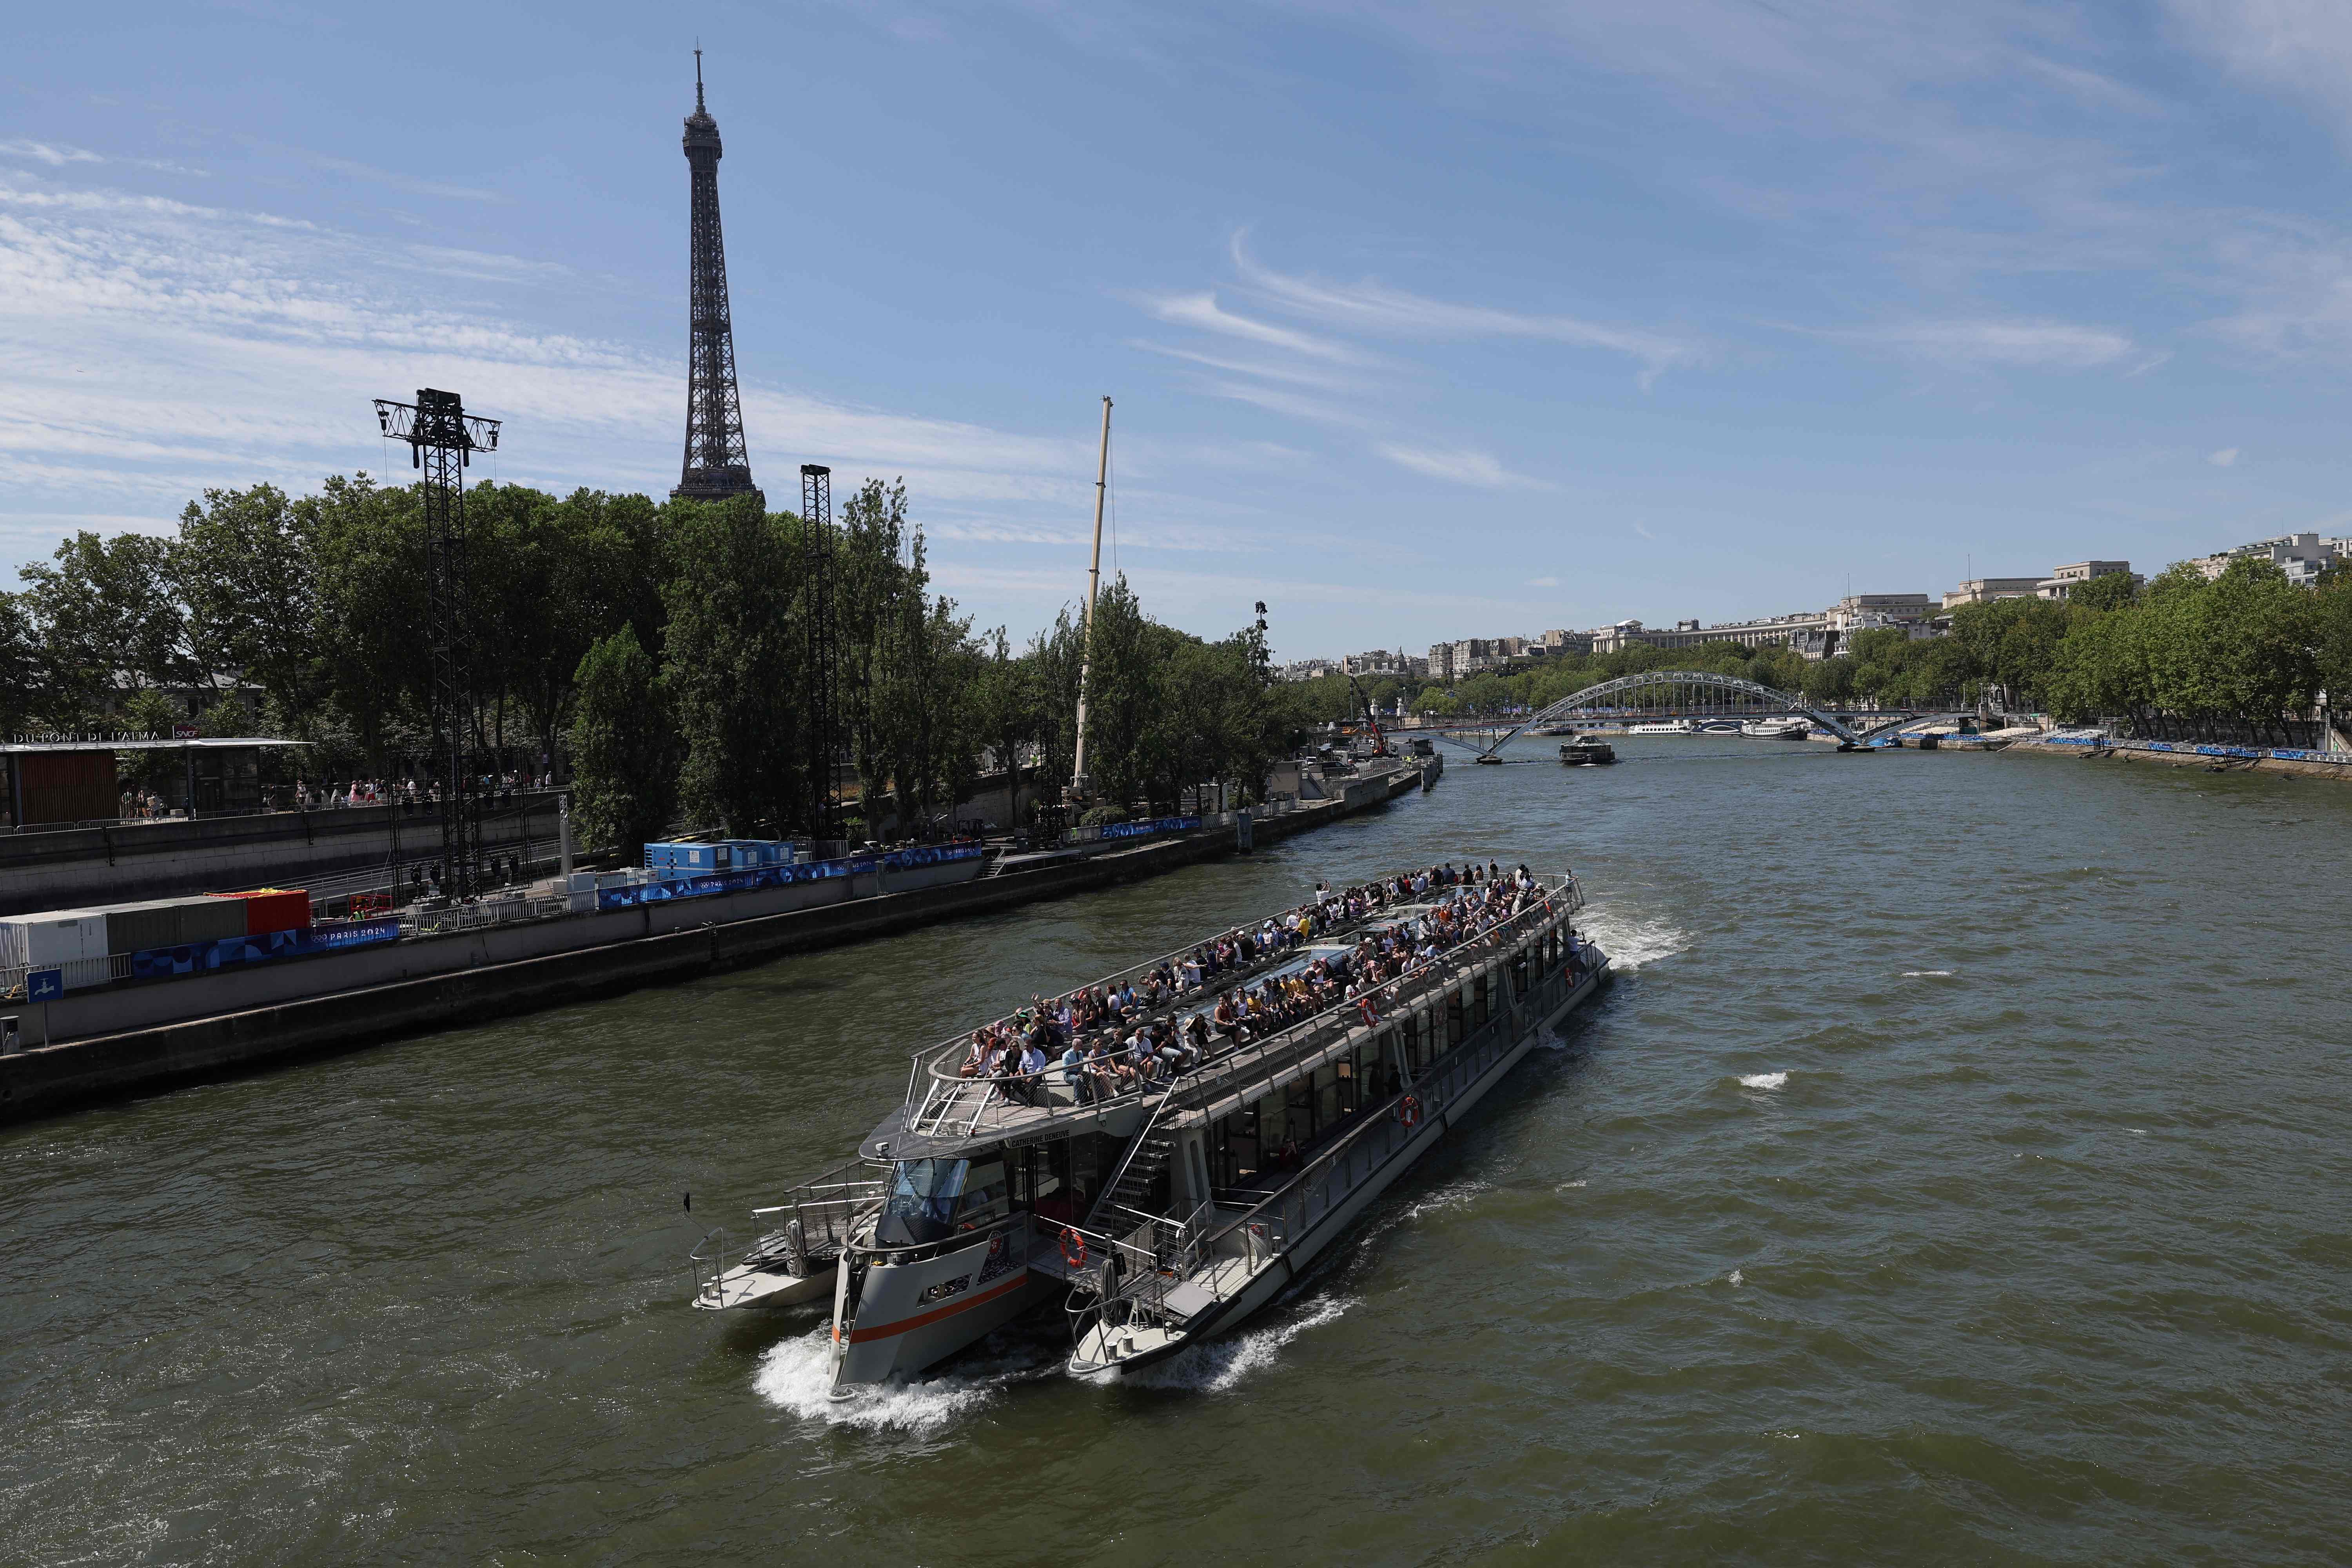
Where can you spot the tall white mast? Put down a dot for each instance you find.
(1077, 791)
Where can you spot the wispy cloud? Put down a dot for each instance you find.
(1202, 310)
(2303, 47)
(393, 179)
(256, 343)
(2058, 345)
(2226, 457)
(1373, 307)
(1274, 400)
(1460, 466)
(44, 152)
(1274, 369)
(57, 157)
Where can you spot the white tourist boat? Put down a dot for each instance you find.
(1164, 1212)
(1666, 727)
(1776, 729)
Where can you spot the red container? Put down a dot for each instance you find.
(272, 909)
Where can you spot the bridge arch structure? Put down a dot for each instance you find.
(1695, 693)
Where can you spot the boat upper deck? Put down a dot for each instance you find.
(1211, 1031)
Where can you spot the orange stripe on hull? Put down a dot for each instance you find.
(861, 1334)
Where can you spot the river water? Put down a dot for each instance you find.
(1958, 1172)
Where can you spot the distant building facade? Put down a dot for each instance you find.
(2064, 580)
(2301, 556)
(1985, 590)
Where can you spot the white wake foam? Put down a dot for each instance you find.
(1629, 940)
(1735, 1277)
(1764, 1081)
(1452, 1195)
(797, 1374)
(1927, 974)
(1224, 1364)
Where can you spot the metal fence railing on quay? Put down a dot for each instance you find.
(74, 974)
(537, 855)
(496, 912)
(1224, 1068)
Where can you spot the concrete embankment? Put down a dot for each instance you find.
(2291, 763)
(133, 1039)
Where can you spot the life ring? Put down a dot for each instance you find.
(1074, 1247)
(1364, 1007)
(1409, 1111)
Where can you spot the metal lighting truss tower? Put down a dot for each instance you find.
(818, 554)
(717, 465)
(442, 437)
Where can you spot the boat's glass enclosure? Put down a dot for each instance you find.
(929, 1200)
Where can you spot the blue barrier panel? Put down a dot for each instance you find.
(349, 933)
(1157, 825)
(198, 957)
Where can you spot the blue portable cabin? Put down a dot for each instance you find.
(753, 852)
(690, 859)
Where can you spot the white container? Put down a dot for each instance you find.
(48, 941)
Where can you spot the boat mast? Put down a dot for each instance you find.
(1078, 790)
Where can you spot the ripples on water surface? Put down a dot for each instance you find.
(1958, 1175)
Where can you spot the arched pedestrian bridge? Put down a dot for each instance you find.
(1678, 694)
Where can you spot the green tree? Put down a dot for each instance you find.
(1121, 688)
(369, 546)
(245, 568)
(20, 666)
(734, 663)
(2331, 622)
(109, 621)
(2112, 591)
(623, 750)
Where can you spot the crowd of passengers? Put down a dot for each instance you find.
(1116, 1038)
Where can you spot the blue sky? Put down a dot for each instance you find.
(1422, 320)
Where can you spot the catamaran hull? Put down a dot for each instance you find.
(910, 1315)
(1295, 1260)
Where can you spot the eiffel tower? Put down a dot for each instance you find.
(716, 466)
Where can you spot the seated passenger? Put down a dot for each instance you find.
(1196, 1030)
(1074, 1073)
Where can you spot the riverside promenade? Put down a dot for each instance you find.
(2285, 762)
(135, 1038)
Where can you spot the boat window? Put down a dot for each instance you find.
(982, 1199)
(1036, 1172)
(1478, 1001)
(1346, 1102)
(926, 1189)
(1519, 974)
(1298, 1111)
(1327, 1108)
(1454, 1018)
(1234, 1149)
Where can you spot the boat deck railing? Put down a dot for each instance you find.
(963, 1107)
(941, 1101)
(1274, 1221)
(823, 1211)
